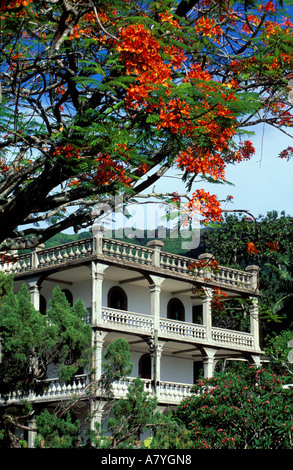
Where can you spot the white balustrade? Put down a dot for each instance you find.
(232, 277)
(64, 253)
(127, 252)
(182, 329)
(175, 263)
(168, 392)
(126, 320)
(174, 393)
(56, 389)
(120, 387)
(232, 338)
(53, 390)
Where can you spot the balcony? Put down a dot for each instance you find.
(120, 320)
(171, 393)
(124, 254)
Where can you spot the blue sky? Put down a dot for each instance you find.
(260, 185)
(265, 182)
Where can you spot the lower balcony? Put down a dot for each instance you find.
(167, 392)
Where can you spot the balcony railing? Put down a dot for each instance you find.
(167, 392)
(124, 321)
(54, 390)
(127, 254)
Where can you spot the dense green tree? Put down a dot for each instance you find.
(278, 351)
(131, 416)
(60, 429)
(55, 432)
(32, 343)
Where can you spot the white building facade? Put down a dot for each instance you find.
(148, 297)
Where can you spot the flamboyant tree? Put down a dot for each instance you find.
(100, 99)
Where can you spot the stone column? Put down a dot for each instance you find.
(96, 412)
(155, 290)
(290, 353)
(98, 233)
(207, 312)
(254, 321)
(98, 344)
(254, 271)
(34, 293)
(255, 358)
(31, 434)
(97, 272)
(156, 245)
(208, 361)
(156, 351)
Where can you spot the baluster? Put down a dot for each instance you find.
(124, 253)
(79, 384)
(59, 256)
(130, 254)
(18, 266)
(65, 255)
(71, 253)
(136, 256)
(149, 258)
(77, 251)
(83, 250)
(184, 267)
(105, 248)
(47, 260)
(74, 386)
(118, 251)
(24, 265)
(53, 389)
(111, 251)
(53, 257)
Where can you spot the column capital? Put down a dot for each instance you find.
(208, 293)
(97, 273)
(208, 361)
(99, 268)
(152, 344)
(156, 280)
(99, 337)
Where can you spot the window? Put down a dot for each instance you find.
(175, 310)
(68, 296)
(117, 298)
(43, 305)
(197, 314)
(145, 367)
(197, 371)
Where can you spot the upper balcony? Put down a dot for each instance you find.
(148, 258)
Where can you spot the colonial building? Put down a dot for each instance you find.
(148, 297)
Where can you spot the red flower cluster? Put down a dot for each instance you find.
(251, 248)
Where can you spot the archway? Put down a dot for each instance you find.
(117, 298)
(176, 310)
